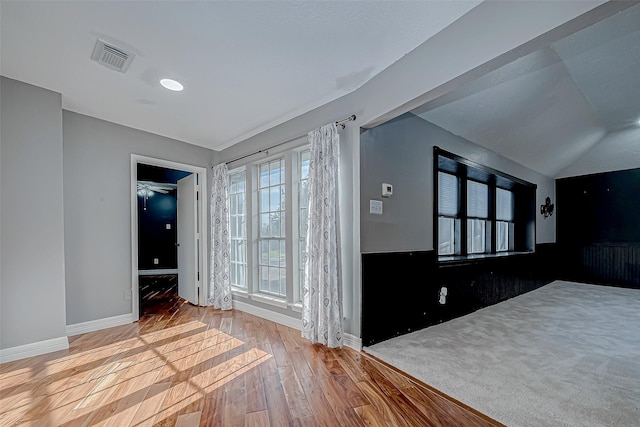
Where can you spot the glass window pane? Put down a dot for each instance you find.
(477, 199)
(504, 205)
(264, 225)
(264, 175)
(264, 278)
(447, 194)
(446, 236)
(264, 252)
(283, 282)
(275, 173)
(476, 236)
(274, 280)
(274, 253)
(264, 200)
(283, 253)
(274, 199)
(502, 236)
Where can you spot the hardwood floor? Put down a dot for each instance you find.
(157, 293)
(194, 366)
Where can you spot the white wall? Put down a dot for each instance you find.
(97, 161)
(33, 275)
(616, 151)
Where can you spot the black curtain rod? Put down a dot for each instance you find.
(341, 123)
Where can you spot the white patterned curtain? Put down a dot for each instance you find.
(219, 283)
(322, 291)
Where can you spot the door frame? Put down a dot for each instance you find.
(203, 212)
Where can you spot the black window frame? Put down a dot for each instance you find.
(523, 193)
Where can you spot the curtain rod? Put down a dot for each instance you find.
(341, 123)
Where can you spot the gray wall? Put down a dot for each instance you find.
(33, 275)
(97, 162)
(400, 152)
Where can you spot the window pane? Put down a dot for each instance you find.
(274, 280)
(447, 194)
(504, 205)
(476, 236)
(502, 236)
(274, 200)
(275, 173)
(264, 200)
(264, 225)
(446, 236)
(264, 278)
(274, 253)
(237, 227)
(477, 199)
(264, 175)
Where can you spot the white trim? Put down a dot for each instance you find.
(238, 292)
(278, 302)
(204, 225)
(349, 340)
(98, 324)
(282, 319)
(297, 307)
(353, 342)
(33, 349)
(157, 272)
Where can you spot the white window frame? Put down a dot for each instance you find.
(293, 242)
(238, 266)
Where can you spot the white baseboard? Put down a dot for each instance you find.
(349, 340)
(353, 342)
(33, 349)
(283, 319)
(96, 325)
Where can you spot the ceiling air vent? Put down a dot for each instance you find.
(112, 57)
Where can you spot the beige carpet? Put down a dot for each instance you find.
(566, 354)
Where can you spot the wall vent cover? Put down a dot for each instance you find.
(111, 56)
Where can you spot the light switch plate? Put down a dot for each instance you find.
(387, 190)
(375, 207)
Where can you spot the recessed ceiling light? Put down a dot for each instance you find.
(172, 85)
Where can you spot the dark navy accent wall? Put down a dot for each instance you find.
(154, 239)
(471, 285)
(599, 227)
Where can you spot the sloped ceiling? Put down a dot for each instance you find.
(246, 65)
(557, 105)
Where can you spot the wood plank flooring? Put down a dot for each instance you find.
(195, 366)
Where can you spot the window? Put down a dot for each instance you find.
(448, 214)
(237, 223)
(476, 208)
(504, 220)
(268, 219)
(303, 206)
(477, 217)
(272, 263)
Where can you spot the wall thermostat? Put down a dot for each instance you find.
(387, 190)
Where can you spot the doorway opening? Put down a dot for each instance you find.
(168, 242)
(157, 189)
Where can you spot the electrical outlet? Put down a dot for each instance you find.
(443, 296)
(168, 226)
(375, 207)
(156, 261)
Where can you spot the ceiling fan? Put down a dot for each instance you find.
(149, 188)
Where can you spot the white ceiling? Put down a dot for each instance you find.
(246, 65)
(550, 108)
